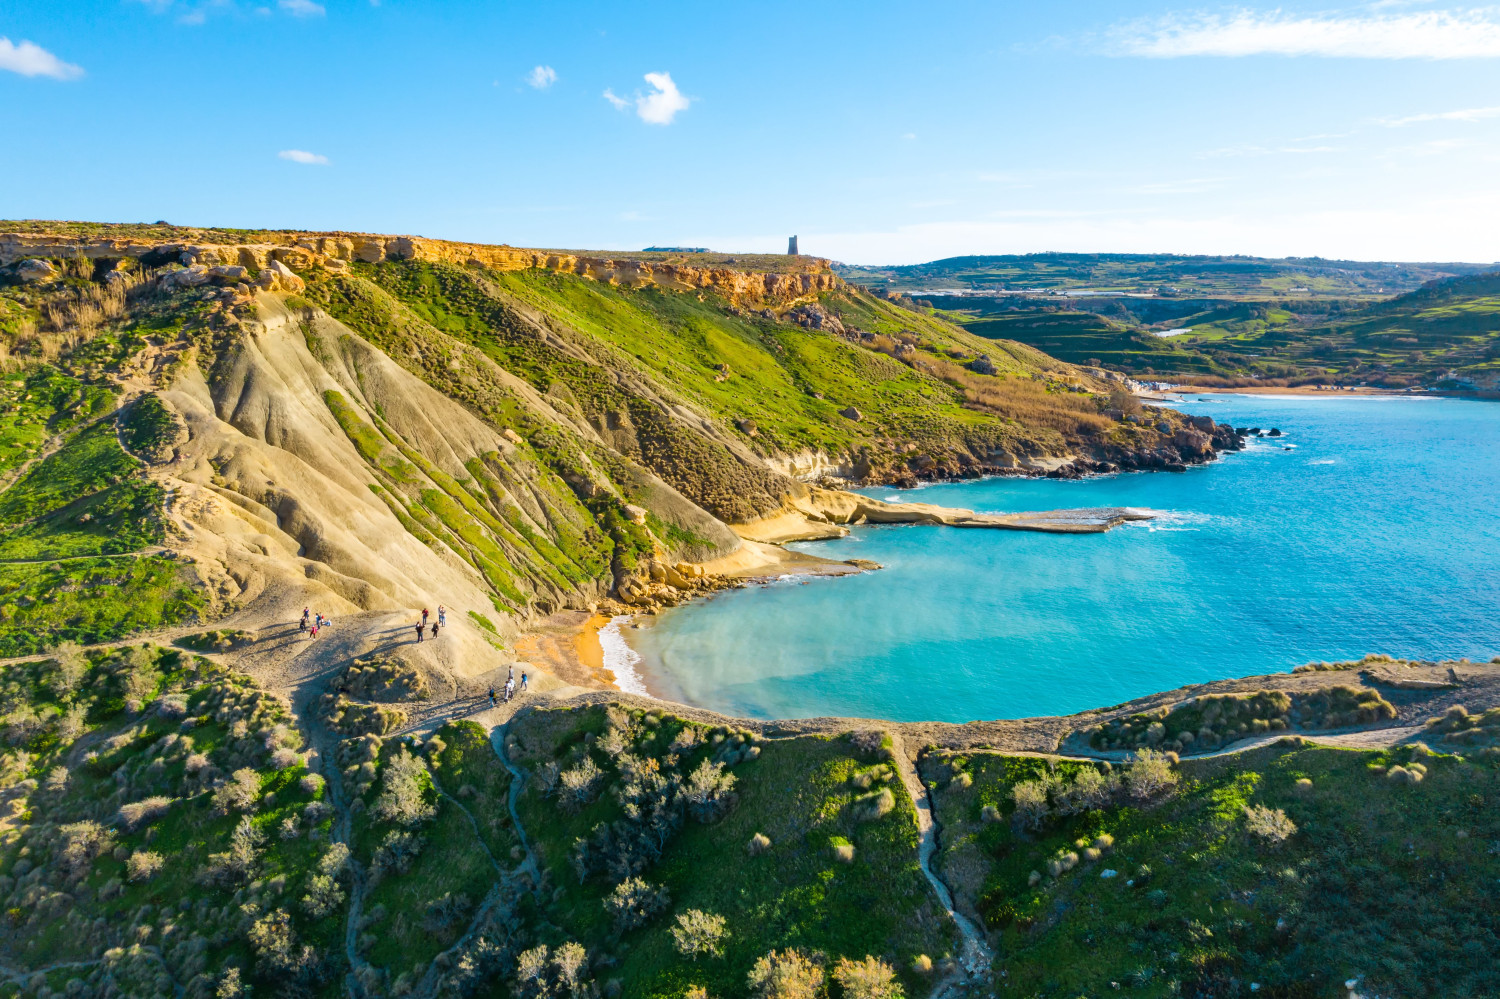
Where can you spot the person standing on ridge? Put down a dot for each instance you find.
(420, 632)
(424, 617)
(434, 629)
(442, 615)
(523, 683)
(492, 697)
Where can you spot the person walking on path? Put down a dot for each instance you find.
(492, 697)
(420, 632)
(424, 617)
(434, 629)
(314, 632)
(523, 683)
(304, 619)
(442, 615)
(510, 690)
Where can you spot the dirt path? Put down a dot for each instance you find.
(975, 957)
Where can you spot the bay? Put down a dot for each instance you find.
(1372, 525)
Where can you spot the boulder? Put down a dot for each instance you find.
(982, 365)
(747, 427)
(637, 514)
(1164, 427)
(850, 413)
(36, 270)
(277, 276)
(228, 272)
(1274, 432)
(191, 277)
(1203, 423)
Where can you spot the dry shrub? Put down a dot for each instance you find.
(1407, 775)
(1269, 824)
(871, 743)
(143, 812)
(787, 974)
(403, 794)
(580, 785)
(1151, 776)
(873, 806)
(698, 934)
(239, 793)
(1032, 809)
(324, 896)
(871, 978)
(143, 865)
(634, 903)
(759, 843)
(922, 964)
(842, 850)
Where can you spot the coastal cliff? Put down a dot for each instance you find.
(794, 279)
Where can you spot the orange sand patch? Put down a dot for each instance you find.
(566, 644)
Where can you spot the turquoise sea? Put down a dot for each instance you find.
(1373, 525)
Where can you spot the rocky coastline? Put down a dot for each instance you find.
(1196, 440)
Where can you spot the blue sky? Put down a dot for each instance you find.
(879, 132)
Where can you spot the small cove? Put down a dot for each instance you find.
(1373, 525)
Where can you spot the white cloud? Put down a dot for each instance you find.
(304, 157)
(1265, 151)
(659, 106)
(302, 8)
(30, 59)
(1468, 114)
(542, 77)
(1434, 34)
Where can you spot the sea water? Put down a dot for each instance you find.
(1371, 525)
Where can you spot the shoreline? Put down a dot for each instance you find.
(619, 657)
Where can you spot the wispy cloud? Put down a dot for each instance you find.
(542, 77)
(1189, 185)
(1467, 114)
(1251, 150)
(302, 8)
(304, 157)
(1433, 34)
(30, 59)
(658, 107)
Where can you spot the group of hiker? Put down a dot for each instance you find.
(441, 622)
(510, 688)
(314, 623)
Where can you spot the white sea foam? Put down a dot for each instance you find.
(620, 659)
(1173, 520)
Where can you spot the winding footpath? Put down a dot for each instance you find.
(975, 956)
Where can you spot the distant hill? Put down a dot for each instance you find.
(1168, 275)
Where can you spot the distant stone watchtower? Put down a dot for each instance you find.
(791, 247)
